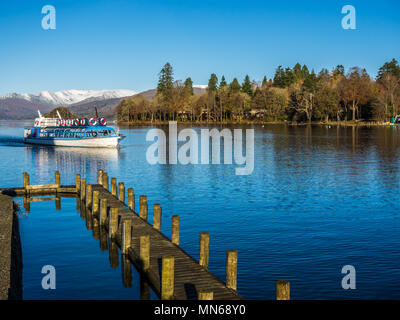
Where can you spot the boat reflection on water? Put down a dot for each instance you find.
(71, 160)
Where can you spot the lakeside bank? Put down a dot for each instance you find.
(10, 251)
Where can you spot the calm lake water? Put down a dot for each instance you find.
(319, 198)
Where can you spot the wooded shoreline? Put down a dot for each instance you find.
(258, 122)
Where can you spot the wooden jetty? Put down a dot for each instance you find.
(166, 267)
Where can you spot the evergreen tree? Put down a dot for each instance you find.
(189, 86)
(289, 77)
(310, 82)
(297, 72)
(213, 82)
(234, 86)
(165, 88)
(279, 78)
(265, 81)
(166, 80)
(392, 67)
(323, 71)
(223, 82)
(339, 70)
(304, 72)
(246, 86)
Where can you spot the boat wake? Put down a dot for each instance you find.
(11, 141)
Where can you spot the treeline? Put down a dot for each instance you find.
(294, 94)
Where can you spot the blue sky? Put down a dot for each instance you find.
(124, 44)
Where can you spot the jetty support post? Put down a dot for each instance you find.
(231, 269)
(206, 295)
(57, 179)
(114, 186)
(204, 249)
(121, 192)
(105, 180)
(83, 189)
(25, 177)
(103, 211)
(126, 235)
(157, 217)
(144, 251)
(78, 183)
(95, 204)
(89, 196)
(175, 230)
(113, 222)
(167, 278)
(131, 199)
(143, 207)
(282, 290)
(100, 177)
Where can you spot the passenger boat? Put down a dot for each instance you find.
(84, 132)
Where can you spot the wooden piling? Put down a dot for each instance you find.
(143, 207)
(100, 177)
(57, 179)
(144, 289)
(95, 203)
(282, 290)
(105, 180)
(204, 249)
(121, 192)
(113, 253)
(206, 295)
(131, 199)
(58, 203)
(78, 183)
(27, 204)
(89, 196)
(113, 222)
(175, 230)
(126, 271)
(83, 189)
(144, 251)
(126, 235)
(103, 211)
(114, 186)
(231, 269)
(157, 217)
(25, 177)
(167, 278)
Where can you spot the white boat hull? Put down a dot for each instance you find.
(102, 142)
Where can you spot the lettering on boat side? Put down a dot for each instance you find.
(49, 20)
(188, 153)
(349, 280)
(49, 280)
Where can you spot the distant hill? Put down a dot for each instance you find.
(79, 102)
(25, 105)
(16, 108)
(105, 108)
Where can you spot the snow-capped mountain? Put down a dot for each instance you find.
(68, 97)
(200, 86)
